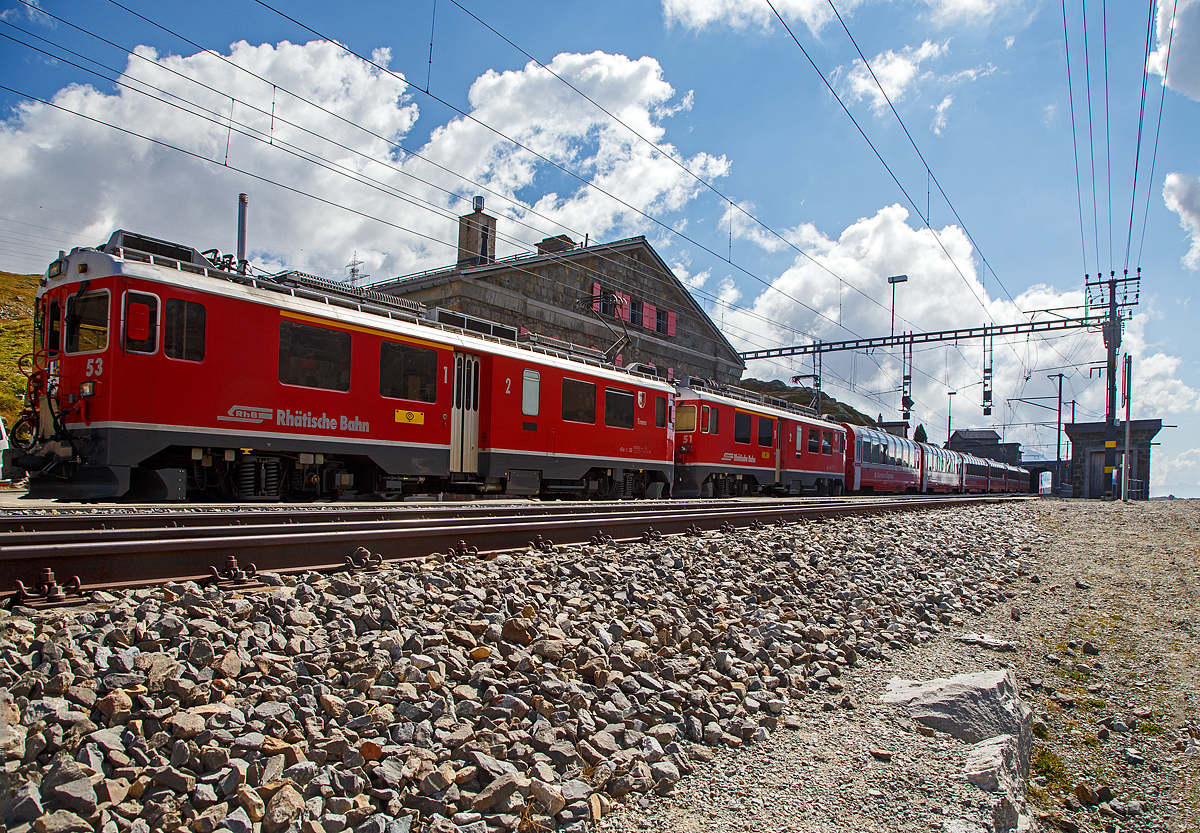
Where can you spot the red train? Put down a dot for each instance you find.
(736, 442)
(159, 374)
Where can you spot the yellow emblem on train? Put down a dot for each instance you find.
(410, 417)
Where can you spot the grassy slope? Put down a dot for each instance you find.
(16, 336)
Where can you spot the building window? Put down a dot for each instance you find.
(635, 313)
(578, 401)
(607, 307)
(313, 357)
(183, 330)
(407, 372)
(660, 322)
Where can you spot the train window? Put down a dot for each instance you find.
(87, 322)
(766, 432)
(714, 422)
(531, 393)
(578, 401)
(827, 442)
(704, 419)
(858, 449)
(741, 427)
(877, 453)
(618, 408)
(660, 412)
(141, 323)
(313, 357)
(840, 444)
(685, 418)
(407, 372)
(54, 328)
(183, 330)
(814, 441)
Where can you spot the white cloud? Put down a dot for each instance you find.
(1009, 41)
(1181, 192)
(31, 12)
(1184, 69)
(937, 297)
(947, 12)
(1172, 472)
(895, 71)
(701, 14)
(939, 115)
(122, 181)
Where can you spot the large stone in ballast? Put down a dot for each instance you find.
(970, 707)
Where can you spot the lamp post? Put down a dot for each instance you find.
(893, 280)
(949, 403)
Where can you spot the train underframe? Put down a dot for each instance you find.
(134, 465)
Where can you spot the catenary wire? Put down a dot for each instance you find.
(1157, 131)
(1137, 154)
(1087, 73)
(1074, 139)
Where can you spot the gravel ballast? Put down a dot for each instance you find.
(723, 681)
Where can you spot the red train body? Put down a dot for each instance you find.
(158, 375)
(736, 442)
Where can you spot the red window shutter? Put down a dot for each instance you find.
(649, 315)
(626, 305)
(595, 297)
(670, 373)
(619, 361)
(670, 323)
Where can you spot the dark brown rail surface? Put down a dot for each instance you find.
(108, 550)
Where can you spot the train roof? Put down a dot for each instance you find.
(736, 396)
(338, 303)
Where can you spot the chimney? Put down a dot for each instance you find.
(551, 245)
(476, 237)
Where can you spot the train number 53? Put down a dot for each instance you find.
(94, 367)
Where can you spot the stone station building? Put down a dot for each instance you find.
(1087, 457)
(594, 296)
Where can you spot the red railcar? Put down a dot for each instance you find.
(156, 372)
(737, 442)
(941, 470)
(882, 462)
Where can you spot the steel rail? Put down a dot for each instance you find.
(108, 558)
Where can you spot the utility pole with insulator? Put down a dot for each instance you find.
(1102, 292)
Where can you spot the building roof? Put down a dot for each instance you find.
(976, 435)
(1079, 429)
(421, 280)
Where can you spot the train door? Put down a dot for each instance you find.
(779, 450)
(464, 415)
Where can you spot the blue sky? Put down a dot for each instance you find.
(721, 87)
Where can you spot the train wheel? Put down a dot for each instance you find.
(835, 488)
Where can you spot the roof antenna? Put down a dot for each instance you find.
(241, 243)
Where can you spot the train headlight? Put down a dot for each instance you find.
(87, 389)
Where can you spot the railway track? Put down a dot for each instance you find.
(43, 556)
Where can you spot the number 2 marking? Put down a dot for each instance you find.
(508, 385)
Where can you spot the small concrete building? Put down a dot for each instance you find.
(618, 298)
(1087, 457)
(984, 442)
